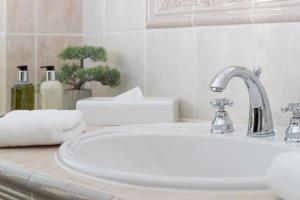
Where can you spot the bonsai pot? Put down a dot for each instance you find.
(72, 96)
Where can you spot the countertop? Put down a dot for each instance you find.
(42, 160)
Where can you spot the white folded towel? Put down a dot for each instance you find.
(283, 176)
(39, 127)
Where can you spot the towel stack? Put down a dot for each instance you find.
(39, 127)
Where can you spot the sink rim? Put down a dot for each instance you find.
(73, 162)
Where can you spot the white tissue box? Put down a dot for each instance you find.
(110, 111)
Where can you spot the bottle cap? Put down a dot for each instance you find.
(50, 72)
(23, 67)
(49, 67)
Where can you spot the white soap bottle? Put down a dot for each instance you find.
(51, 91)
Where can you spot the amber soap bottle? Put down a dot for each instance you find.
(22, 93)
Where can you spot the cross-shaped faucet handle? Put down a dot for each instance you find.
(221, 103)
(293, 107)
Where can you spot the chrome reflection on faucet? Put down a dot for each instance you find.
(221, 123)
(292, 133)
(260, 116)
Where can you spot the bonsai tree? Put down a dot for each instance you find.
(75, 75)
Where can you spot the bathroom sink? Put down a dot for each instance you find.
(177, 155)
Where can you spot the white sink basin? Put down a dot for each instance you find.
(184, 156)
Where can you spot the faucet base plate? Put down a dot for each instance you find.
(292, 140)
(261, 134)
(214, 131)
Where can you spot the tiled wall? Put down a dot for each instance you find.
(163, 62)
(34, 32)
(182, 62)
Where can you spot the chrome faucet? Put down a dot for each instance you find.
(260, 117)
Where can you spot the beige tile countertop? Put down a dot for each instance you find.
(42, 160)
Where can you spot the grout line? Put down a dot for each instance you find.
(35, 16)
(104, 23)
(125, 32)
(194, 67)
(193, 13)
(5, 54)
(145, 39)
(104, 41)
(96, 34)
(194, 112)
(252, 12)
(82, 18)
(252, 34)
(68, 34)
(4, 16)
(44, 34)
(35, 40)
(104, 16)
(35, 53)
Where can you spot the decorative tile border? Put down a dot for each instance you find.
(276, 11)
(169, 13)
(177, 13)
(220, 12)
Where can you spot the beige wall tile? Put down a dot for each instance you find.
(20, 16)
(20, 51)
(2, 6)
(93, 12)
(169, 67)
(217, 48)
(126, 52)
(125, 15)
(48, 48)
(57, 16)
(277, 50)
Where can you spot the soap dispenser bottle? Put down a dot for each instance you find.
(22, 93)
(51, 91)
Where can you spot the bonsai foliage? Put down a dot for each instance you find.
(76, 75)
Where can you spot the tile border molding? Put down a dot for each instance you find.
(180, 13)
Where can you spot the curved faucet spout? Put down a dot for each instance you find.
(260, 117)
